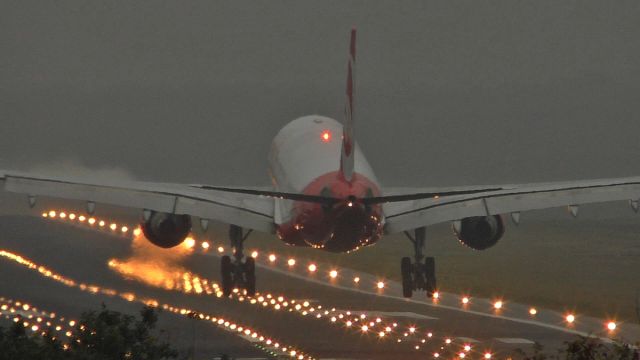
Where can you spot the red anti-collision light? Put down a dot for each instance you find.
(326, 136)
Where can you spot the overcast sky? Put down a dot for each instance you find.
(448, 93)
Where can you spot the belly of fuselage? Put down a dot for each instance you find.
(305, 158)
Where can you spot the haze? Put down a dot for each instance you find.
(448, 93)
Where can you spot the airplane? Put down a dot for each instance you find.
(324, 195)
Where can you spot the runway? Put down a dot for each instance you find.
(313, 314)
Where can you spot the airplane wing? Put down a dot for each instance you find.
(250, 208)
(414, 208)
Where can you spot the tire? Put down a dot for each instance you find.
(430, 276)
(407, 278)
(226, 268)
(250, 276)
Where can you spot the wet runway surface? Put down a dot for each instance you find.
(307, 313)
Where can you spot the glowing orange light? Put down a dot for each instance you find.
(333, 274)
(220, 249)
(487, 355)
(465, 300)
(467, 347)
(63, 215)
(91, 221)
(205, 245)
(570, 318)
(291, 262)
(356, 279)
(124, 229)
(101, 223)
(112, 226)
(380, 285)
(189, 242)
(326, 136)
(254, 254)
(72, 216)
(137, 232)
(497, 305)
(436, 295)
(52, 214)
(312, 267)
(82, 218)
(272, 257)
(611, 326)
(533, 311)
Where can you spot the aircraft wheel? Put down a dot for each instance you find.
(407, 279)
(250, 274)
(430, 276)
(226, 269)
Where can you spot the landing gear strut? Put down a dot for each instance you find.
(420, 275)
(236, 273)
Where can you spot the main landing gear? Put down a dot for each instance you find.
(418, 275)
(236, 273)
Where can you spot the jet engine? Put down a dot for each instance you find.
(166, 230)
(479, 232)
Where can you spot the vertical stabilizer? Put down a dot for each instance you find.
(348, 140)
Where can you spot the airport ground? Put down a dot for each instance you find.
(532, 265)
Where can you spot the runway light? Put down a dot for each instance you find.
(291, 262)
(465, 300)
(82, 218)
(333, 274)
(436, 295)
(312, 267)
(220, 249)
(254, 254)
(205, 245)
(101, 223)
(356, 279)
(533, 311)
(91, 220)
(497, 305)
(112, 226)
(611, 326)
(487, 355)
(570, 318)
(272, 257)
(189, 242)
(52, 214)
(124, 229)
(380, 285)
(63, 215)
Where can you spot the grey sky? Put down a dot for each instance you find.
(451, 92)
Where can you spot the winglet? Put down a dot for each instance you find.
(348, 144)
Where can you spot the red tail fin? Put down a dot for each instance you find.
(348, 143)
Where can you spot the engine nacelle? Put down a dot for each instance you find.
(480, 232)
(166, 230)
